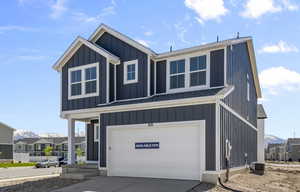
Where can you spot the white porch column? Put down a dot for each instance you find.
(260, 140)
(71, 141)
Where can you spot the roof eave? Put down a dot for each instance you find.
(75, 46)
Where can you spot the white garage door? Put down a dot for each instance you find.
(165, 150)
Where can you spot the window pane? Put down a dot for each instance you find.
(90, 73)
(131, 76)
(90, 87)
(76, 89)
(75, 76)
(198, 63)
(177, 81)
(131, 68)
(177, 66)
(198, 78)
(181, 67)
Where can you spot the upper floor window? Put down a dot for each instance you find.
(191, 72)
(248, 88)
(177, 74)
(131, 71)
(198, 70)
(83, 81)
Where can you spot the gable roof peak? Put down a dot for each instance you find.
(105, 28)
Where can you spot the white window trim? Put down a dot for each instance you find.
(95, 131)
(83, 81)
(187, 73)
(248, 87)
(126, 63)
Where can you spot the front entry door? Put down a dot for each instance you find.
(92, 141)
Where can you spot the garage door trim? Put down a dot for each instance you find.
(199, 123)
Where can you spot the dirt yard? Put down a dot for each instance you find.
(276, 178)
(38, 185)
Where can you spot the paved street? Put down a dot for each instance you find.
(18, 172)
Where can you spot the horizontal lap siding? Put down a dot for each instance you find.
(186, 113)
(84, 56)
(238, 66)
(126, 53)
(6, 151)
(217, 68)
(242, 137)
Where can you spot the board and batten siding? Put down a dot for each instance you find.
(84, 56)
(186, 113)
(92, 146)
(238, 66)
(127, 52)
(217, 68)
(242, 138)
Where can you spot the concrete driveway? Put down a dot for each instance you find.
(130, 184)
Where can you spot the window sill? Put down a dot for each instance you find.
(130, 82)
(185, 89)
(83, 96)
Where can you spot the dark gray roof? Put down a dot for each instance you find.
(173, 96)
(55, 140)
(293, 140)
(261, 113)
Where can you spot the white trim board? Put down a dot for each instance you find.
(76, 45)
(237, 115)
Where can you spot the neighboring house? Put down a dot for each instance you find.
(293, 149)
(36, 146)
(276, 152)
(168, 115)
(6, 142)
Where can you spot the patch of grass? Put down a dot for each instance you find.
(6, 165)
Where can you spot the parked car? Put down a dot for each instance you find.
(62, 161)
(47, 164)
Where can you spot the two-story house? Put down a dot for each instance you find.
(6, 142)
(36, 146)
(162, 115)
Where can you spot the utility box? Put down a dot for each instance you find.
(257, 168)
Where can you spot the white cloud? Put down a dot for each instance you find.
(58, 8)
(148, 33)
(15, 28)
(257, 8)
(280, 47)
(279, 79)
(207, 9)
(143, 42)
(181, 31)
(289, 6)
(31, 57)
(83, 17)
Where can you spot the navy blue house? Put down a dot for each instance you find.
(162, 115)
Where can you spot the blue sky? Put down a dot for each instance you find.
(34, 33)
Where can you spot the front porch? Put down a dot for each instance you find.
(91, 141)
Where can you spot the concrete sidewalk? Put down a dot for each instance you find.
(129, 184)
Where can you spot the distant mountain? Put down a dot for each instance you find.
(51, 135)
(270, 139)
(20, 134)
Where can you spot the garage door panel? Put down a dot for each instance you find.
(178, 156)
